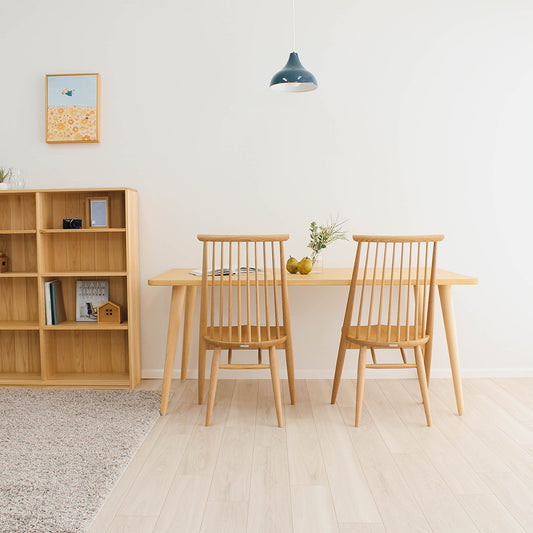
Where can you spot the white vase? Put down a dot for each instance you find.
(4, 186)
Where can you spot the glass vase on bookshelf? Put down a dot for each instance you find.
(16, 180)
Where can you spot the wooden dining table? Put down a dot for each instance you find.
(184, 290)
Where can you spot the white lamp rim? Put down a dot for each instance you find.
(293, 87)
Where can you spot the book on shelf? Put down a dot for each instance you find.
(48, 303)
(54, 304)
(90, 295)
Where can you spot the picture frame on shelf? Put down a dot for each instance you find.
(98, 212)
(90, 295)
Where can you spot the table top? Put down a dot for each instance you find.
(330, 276)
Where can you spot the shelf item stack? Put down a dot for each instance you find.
(63, 351)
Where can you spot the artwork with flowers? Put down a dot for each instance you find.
(72, 108)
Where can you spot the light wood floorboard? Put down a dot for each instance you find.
(306, 465)
(321, 474)
(489, 515)
(361, 528)
(270, 492)
(447, 459)
(231, 478)
(185, 503)
(313, 509)
(397, 506)
(225, 517)
(352, 497)
(148, 491)
(133, 524)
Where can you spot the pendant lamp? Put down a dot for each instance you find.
(293, 77)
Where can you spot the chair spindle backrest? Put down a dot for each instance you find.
(255, 281)
(386, 299)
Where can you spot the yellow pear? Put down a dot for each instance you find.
(292, 265)
(305, 266)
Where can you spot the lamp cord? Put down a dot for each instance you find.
(293, 26)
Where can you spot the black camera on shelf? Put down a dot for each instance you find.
(72, 223)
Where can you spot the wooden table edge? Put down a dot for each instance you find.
(169, 279)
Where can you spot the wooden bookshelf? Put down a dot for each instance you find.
(70, 354)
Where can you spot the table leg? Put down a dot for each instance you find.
(190, 301)
(174, 322)
(445, 293)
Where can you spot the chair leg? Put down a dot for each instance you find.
(202, 354)
(274, 372)
(421, 370)
(338, 369)
(212, 386)
(361, 368)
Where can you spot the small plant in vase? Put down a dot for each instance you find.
(321, 237)
(5, 175)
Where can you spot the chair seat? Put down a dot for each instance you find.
(376, 337)
(216, 337)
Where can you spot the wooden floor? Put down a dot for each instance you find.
(320, 473)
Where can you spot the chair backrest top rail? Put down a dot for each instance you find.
(244, 238)
(398, 238)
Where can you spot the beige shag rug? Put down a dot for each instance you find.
(62, 452)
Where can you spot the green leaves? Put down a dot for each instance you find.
(321, 236)
(5, 174)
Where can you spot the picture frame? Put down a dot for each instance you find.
(73, 108)
(98, 212)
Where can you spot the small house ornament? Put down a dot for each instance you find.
(109, 313)
(3, 262)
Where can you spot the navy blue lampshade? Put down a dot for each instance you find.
(293, 77)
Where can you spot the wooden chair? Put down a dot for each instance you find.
(389, 314)
(247, 310)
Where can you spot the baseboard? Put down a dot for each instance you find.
(350, 373)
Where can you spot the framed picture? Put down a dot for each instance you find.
(73, 108)
(98, 212)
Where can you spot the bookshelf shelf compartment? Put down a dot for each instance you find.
(20, 355)
(82, 352)
(70, 354)
(87, 252)
(19, 300)
(18, 275)
(17, 211)
(19, 325)
(118, 293)
(21, 251)
(18, 232)
(20, 380)
(86, 274)
(89, 326)
(90, 380)
(58, 205)
(83, 230)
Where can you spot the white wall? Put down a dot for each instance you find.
(423, 122)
